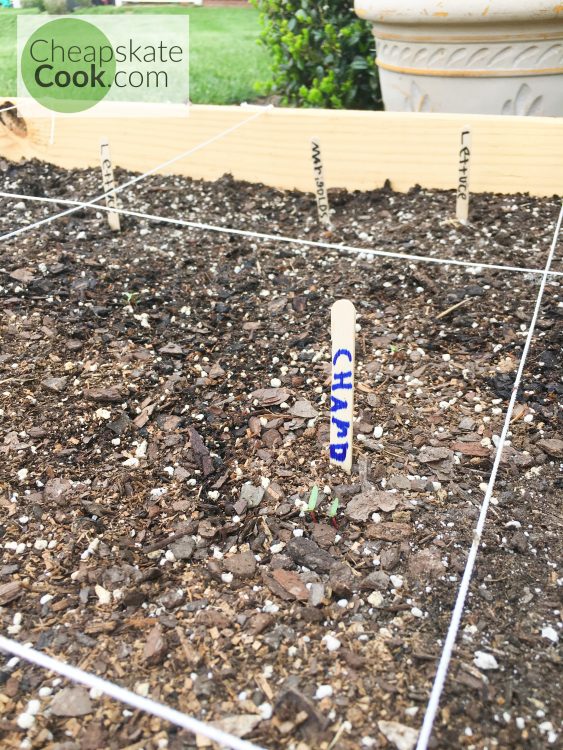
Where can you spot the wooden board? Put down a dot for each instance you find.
(360, 149)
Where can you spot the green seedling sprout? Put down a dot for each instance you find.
(311, 507)
(130, 297)
(333, 510)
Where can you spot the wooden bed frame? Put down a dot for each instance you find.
(360, 149)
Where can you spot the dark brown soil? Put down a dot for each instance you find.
(129, 543)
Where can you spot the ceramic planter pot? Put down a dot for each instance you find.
(475, 56)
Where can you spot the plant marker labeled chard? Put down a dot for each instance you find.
(464, 159)
(343, 331)
(109, 186)
(321, 194)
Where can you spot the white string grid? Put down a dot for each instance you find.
(177, 717)
(126, 696)
(457, 613)
(135, 180)
(277, 237)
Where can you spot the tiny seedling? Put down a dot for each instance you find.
(333, 510)
(131, 298)
(311, 507)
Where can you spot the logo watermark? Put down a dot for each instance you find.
(103, 66)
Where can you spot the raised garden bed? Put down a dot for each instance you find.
(132, 371)
(361, 150)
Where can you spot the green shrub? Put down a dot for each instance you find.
(39, 4)
(56, 7)
(323, 54)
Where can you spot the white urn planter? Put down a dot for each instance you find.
(475, 56)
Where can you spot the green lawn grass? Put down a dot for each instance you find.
(225, 58)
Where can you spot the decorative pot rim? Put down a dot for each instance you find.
(444, 12)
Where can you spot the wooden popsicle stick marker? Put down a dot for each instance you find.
(464, 163)
(321, 194)
(343, 333)
(109, 185)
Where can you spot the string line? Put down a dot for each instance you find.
(138, 178)
(445, 658)
(279, 237)
(126, 696)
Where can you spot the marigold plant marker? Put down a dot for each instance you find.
(321, 194)
(343, 331)
(109, 185)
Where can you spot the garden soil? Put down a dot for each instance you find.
(164, 418)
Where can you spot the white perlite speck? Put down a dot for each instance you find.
(104, 596)
(375, 599)
(33, 707)
(402, 736)
(485, 661)
(25, 720)
(332, 643)
(142, 689)
(266, 711)
(550, 633)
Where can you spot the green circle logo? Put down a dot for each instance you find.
(68, 65)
